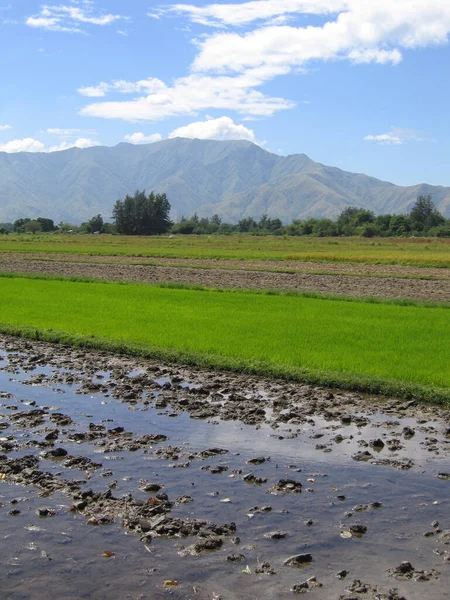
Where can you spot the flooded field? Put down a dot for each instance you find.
(124, 478)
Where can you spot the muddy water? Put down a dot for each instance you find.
(400, 494)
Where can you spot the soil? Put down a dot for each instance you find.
(357, 284)
(128, 478)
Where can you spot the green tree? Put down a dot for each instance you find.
(94, 225)
(425, 215)
(33, 226)
(19, 225)
(142, 215)
(47, 225)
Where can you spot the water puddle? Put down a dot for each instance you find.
(110, 490)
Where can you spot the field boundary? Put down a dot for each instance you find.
(341, 381)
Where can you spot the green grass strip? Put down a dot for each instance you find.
(377, 348)
(203, 288)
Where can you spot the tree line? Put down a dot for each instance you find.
(143, 214)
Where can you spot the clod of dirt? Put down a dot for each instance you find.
(264, 568)
(276, 535)
(362, 456)
(357, 529)
(235, 557)
(286, 486)
(250, 478)
(259, 460)
(306, 586)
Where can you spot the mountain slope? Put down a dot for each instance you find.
(233, 178)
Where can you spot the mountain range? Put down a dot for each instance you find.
(234, 179)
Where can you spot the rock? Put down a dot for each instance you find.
(342, 574)
(298, 560)
(151, 487)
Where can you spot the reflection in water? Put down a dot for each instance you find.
(62, 556)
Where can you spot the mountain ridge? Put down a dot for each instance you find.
(234, 179)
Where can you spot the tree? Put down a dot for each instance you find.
(353, 217)
(425, 215)
(19, 225)
(94, 225)
(47, 225)
(142, 215)
(33, 226)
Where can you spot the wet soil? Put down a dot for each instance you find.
(126, 478)
(356, 284)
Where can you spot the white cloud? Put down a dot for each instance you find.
(383, 138)
(190, 94)
(32, 145)
(70, 18)
(141, 138)
(151, 85)
(218, 15)
(4, 127)
(231, 66)
(78, 143)
(358, 31)
(68, 132)
(395, 136)
(222, 128)
(25, 145)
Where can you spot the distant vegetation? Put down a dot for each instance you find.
(143, 214)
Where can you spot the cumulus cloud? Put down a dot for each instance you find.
(223, 128)
(32, 145)
(358, 31)
(193, 93)
(141, 138)
(4, 127)
(78, 143)
(258, 46)
(395, 136)
(24, 145)
(70, 18)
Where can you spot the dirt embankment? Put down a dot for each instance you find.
(336, 283)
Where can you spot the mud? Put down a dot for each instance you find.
(337, 283)
(125, 478)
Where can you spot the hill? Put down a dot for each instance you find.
(232, 178)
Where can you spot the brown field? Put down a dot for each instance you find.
(361, 280)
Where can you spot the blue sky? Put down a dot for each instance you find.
(359, 84)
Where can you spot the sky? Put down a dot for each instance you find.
(363, 85)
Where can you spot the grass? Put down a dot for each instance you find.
(377, 347)
(426, 252)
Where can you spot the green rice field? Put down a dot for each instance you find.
(379, 347)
